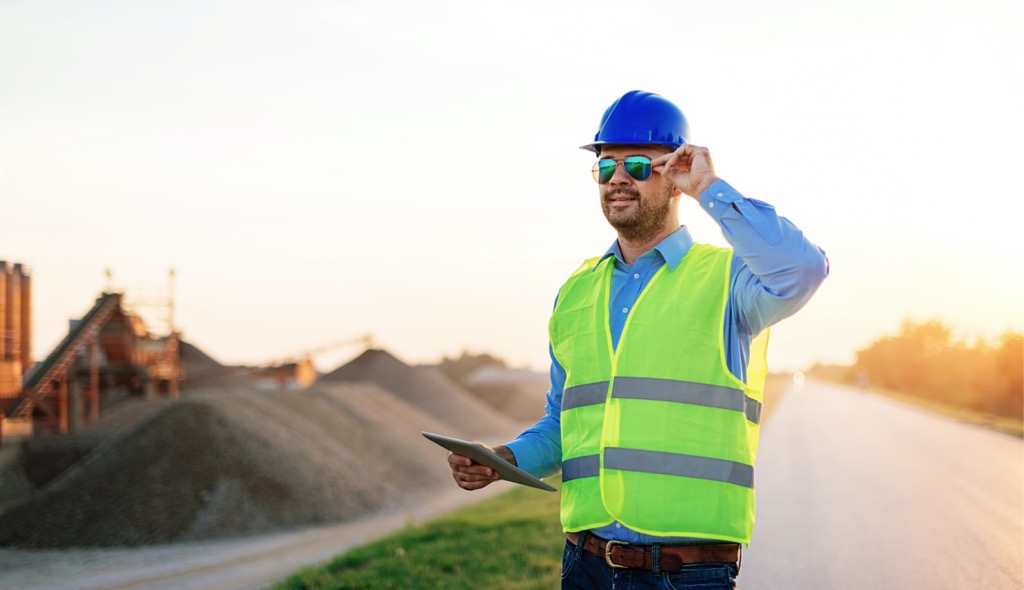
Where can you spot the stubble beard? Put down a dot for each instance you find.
(643, 221)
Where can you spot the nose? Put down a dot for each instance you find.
(620, 176)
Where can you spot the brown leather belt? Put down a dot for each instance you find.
(672, 558)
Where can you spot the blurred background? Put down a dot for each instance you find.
(211, 206)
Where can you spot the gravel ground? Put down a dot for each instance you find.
(226, 463)
(232, 564)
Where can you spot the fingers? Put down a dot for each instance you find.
(683, 156)
(473, 482)
(679, 160)
(688, 167)
(670, 167)
(665, 162)
(469, 475)
(662, 159)
(696, 156)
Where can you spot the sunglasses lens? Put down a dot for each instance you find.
(639, 167)
(604, 170)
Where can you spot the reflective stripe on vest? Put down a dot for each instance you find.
(585, 466)
(659, 462)
(584, 395)
(680, 465)
(667, 390)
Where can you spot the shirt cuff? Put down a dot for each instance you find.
(717, 198)
(527, 458)
(721, 199)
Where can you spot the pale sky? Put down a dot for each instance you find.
(317, 170)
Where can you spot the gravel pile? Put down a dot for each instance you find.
(39, 461)
(202, 369)
(428, 389)
(229, 462)
(515, 393)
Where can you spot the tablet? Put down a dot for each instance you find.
(481, 455)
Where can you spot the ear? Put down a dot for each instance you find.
(676, 191)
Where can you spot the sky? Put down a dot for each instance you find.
(314, 171)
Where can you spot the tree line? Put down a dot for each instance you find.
(924, 360)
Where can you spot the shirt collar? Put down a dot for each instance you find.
(672, 249)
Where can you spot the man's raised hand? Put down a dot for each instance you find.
(689, 168)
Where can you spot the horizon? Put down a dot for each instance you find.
(358, 345)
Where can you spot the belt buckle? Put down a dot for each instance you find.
(608, 553)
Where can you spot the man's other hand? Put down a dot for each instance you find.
(470, 475)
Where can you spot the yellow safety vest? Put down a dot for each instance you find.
(659, 434)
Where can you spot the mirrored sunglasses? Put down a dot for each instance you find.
(638, 167)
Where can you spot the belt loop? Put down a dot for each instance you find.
(656, 551)
(579, 545)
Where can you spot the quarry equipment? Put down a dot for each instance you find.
(15, 337)
(108, 355)
(298, 372)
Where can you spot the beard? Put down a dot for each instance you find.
(643, 220)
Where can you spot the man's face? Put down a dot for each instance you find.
(636, 208)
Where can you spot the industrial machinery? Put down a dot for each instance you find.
(108, 355)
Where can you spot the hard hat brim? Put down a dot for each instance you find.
(596, 146)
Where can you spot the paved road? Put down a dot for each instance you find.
(856, 491)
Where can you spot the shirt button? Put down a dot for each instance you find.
(625, 310)
(636, 275)
(711, 204)
(720, 195)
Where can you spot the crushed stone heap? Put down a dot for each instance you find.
(229, 462)
(519, 394)
(428, 389)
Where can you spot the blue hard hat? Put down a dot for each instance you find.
(639, 118)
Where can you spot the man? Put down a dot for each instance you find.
(657, 371)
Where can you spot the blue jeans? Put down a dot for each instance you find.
(582, 570)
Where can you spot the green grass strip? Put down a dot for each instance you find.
(512, 541)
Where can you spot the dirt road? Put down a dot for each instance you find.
(220, 565)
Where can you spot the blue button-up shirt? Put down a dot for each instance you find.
(774, 273)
